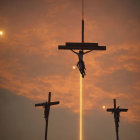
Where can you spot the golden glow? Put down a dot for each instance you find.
(74, 67)
(80, 107)
(103, 107)
(1, 33)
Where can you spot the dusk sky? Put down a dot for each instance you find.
(31, 65)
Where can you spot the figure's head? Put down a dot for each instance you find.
(80, 52)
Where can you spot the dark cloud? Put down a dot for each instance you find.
(21, 120)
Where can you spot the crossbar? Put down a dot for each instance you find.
(61, 47)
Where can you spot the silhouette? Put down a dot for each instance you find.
(46, 106)
(81, 47)
(116, 111)
(81, 64)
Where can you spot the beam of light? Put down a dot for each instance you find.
(80, 107)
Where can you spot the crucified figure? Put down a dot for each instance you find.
(80, 64)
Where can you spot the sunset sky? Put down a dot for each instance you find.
(31, 65)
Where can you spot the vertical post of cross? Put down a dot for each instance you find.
(82, 30)
(82, 22)
(46, 128)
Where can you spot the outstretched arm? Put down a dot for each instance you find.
(87, 52)
(74, 51)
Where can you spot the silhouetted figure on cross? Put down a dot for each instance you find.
(81, 64)
(46, 106)
(116, 111)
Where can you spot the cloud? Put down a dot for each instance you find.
(31, 65)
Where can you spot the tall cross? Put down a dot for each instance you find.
(81, 46)
(116, 111)
(46, 106)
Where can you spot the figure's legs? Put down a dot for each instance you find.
(83, 74)
(81, 67)
(84, 68)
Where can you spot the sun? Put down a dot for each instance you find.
(103, 107)
(73, 67)
(1, 33)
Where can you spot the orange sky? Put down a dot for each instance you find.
(31, 64)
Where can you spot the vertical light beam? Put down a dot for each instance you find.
(80, 107)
